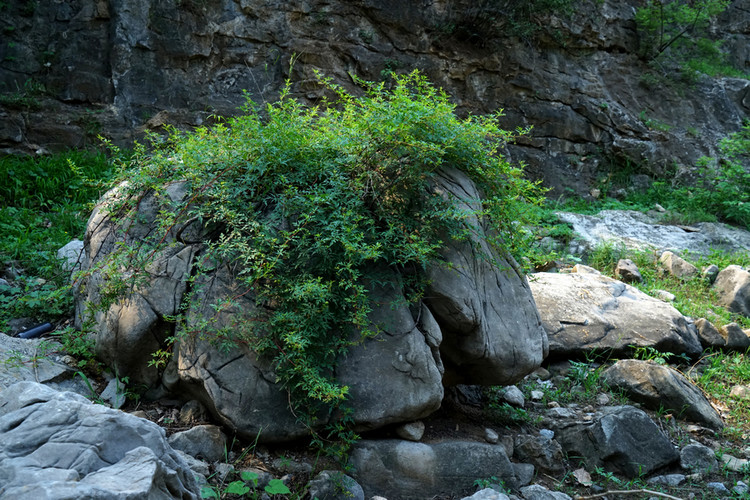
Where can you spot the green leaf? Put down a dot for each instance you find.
(209, 492)
(277, 487)
(249, 477)
(237, 488)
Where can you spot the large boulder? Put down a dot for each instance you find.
(585, 312)
(479, 324)
(660, 387)
(621, 439)
(60, 446)
(733, 288)
(404, 469)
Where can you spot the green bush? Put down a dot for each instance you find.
(316, 206)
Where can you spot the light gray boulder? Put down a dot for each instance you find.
(539, 492)
(696, 457)
(627, 271)
(733, 288)
(205, 442)
(587, 313)
(71, 256)
(487, 494)
(657, 386)
(621, 439)
(334, 485)
(480, 324)
(646, 231)
(58, 445)
(677, 266)
(404, 469)
(37, 360)
(492, 333)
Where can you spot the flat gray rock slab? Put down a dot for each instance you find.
(58, 445)
(637, 230)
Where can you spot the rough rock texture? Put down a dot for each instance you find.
(540, 450)
(677, 266)
(206, 442)
(734, 337)
(404, 469)
(480, 325)
(696, 457)
(733, 287)
(36, 360)
(492, 333)
(657, 386)
(590, 312)
(642, 231)
(332, 485)
(621, 439)
(708, 334)
(115, 66)
(59, 445)
(627, 271)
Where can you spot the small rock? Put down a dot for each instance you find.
(514, 396)
(664, 295)
(524, 473)
(541, 374)
(668, 479)
(491, 436)
(698, 458)
(485, 494)
(710, 273)
(734, 464)
(412, 431)
(628, 272)
(222, 470)
(734, 337)
(547, 433)
(740, 391)
(334, 485)
(114, 393)
(537, 395)
(71, 256)
(741, 488)
(677, 266)
(708, 334)
(191, 412)
(718, 487)
(139, 414)
(538, 492)
(659, 208)
(603, 399)
(583, 269)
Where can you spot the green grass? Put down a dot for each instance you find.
(44, 203)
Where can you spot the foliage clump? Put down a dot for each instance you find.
(314, 207)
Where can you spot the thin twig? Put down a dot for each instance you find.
(628, 492)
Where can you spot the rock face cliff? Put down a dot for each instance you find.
(72, 70)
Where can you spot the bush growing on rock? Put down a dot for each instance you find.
(311, 210)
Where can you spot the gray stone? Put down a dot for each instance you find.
(71, 256)
(513, 396)
(740, 488)
(404, 469)
(657, 386)
(114, 393)
(740, 391)
(733, 463)
(665, 295)
(717, 487)
(487, 494)
(642, 231)
(587, 313)
(677, 266)
(734, 337)
(491, 436)
(524, 473)
(412, 431)
(492, 333)
(627, 271)
(709, 273)
(622, 439)
(333, 485)
(696, 457)
(206, 442)
(540, 450)
(708, 334)
(192, 412)
(668, 479)
(733, 288)
(539, 492)
(58, 445)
